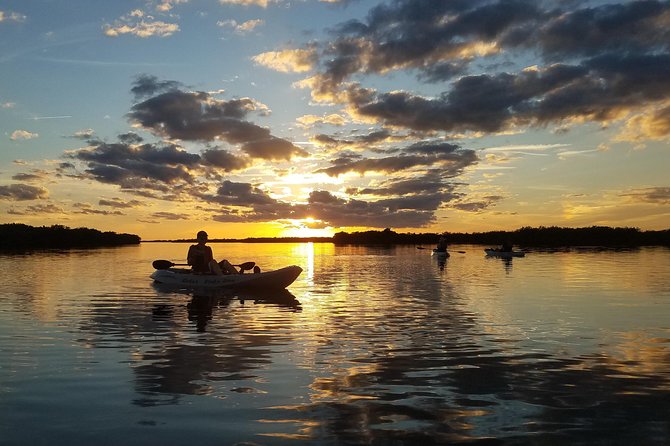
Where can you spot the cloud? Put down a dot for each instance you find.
(9, 16)
(136, 165)
(450, 158)
(8, 105)
(170, 216)
(471, 205)
(119, 203)
(288, 61)
(36, 175)
(141, 25)
(225, 160)
(241, 28)
(369, 141)
(430, 182)
(261, 3)
(650, 124)
(397, 213)
(407, 212)
(23, 192)
(84, 134)
(602, 64)
(197, 116)
(22, 135)
(38, 209)
(167, 5)
(307, 121)
(656, 195)
(87, 209)
(240, 194)
(146, 85)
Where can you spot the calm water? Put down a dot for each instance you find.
(371, 346)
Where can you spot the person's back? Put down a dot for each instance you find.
(199, 257)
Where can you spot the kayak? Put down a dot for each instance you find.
(442, 254)
(270, 280)
(504, 254)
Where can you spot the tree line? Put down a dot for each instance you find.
(525, 237)
(20, 236)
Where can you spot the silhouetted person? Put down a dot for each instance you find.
(506, 246)
(442, 244)
(202, 261)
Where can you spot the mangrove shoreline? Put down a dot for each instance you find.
(526, 237)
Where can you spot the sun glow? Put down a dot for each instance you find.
(307, 227)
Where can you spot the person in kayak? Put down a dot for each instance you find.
(442, 244)
(201, 259)
(506, 246)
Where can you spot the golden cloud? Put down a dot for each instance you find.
(288, 61)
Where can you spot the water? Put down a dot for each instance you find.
(371, 346)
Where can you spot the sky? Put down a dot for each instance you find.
(256, 118)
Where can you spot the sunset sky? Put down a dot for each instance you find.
(306, 117)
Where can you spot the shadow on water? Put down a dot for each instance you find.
(205, 301)
(178, 354)
(175, 368)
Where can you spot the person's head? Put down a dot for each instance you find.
(202, 237)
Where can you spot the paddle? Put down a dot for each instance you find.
(165, 264)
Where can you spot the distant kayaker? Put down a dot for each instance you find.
(442, 244)
(506, 246)
(202, 261)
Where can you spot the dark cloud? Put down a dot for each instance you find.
(398, 213)
(119, 203)
(225, 160)
(477, 205)
(450, 158)
(130, 165)
(146, 85)
(369, 141)
(657, 195)
(37, 176)
(416, 209)
(597, 63)
(429, 183)
(87, 209)
(170, 216)
(599, 90)
(240, 194)
(636, 26)
(38, 209)
(197, 116)
(22, 192)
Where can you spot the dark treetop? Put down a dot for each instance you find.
(20, 236)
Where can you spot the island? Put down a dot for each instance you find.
(17, 236)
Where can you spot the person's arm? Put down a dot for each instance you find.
(190, 257)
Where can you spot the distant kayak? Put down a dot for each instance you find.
(270, 280)
(491, 252)
(443, 254)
